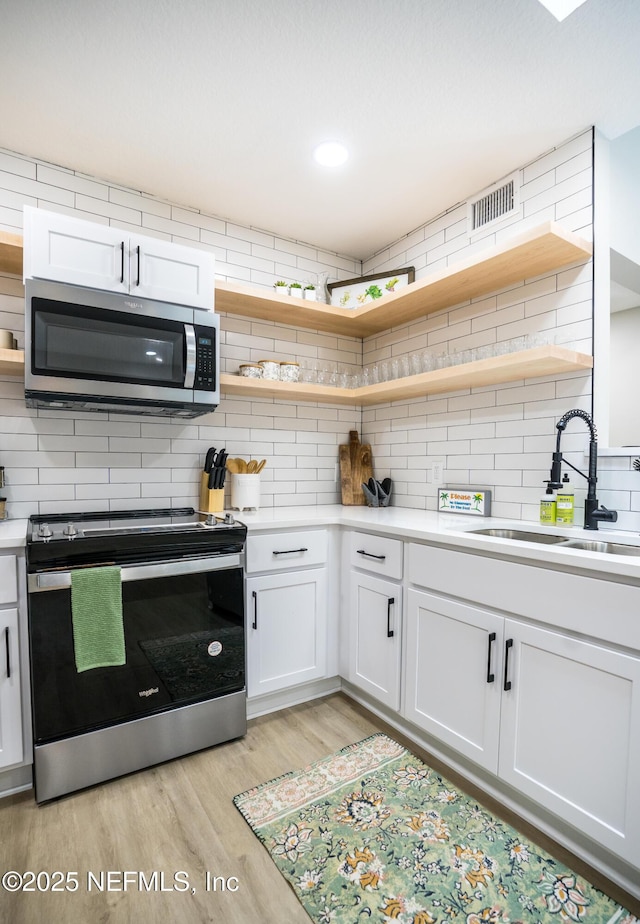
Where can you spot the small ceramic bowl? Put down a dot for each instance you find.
(270, 369)
(251, 371)
(289, 372)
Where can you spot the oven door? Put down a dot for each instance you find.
(184, 643)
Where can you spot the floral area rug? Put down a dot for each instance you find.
(372, 834)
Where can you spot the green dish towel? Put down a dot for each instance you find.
(96, 614)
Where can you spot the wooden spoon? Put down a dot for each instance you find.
(251, 467)
(260, 466)
(234, 466)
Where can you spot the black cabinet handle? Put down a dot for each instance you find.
(138, 252)
(490, 677)
(122, 262)
(8, 649)
(370, 555)
(507, 646)
(254, 594)
(390, 603)
(289, 551)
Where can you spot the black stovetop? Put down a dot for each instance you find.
(115, 537)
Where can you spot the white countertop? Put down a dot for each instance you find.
(453, 531)
(428, 526)
(13, 534)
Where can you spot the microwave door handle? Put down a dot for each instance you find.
(190, 364)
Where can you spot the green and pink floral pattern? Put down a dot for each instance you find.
(373, 834)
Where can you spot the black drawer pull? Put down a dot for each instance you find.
(289, 551)
(390, 603)
(6, 643)
(138, 250)
(122, 262)
(490, 677)
(254, 594)
(371, 555)
(507, 646)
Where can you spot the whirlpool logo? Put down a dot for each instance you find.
(149, 692)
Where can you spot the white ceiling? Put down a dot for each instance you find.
(217, 104)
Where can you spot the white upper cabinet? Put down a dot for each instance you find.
(85, 253)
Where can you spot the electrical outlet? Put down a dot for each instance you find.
(437, 472)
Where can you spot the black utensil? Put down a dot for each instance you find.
(636, 464)
(209, 459)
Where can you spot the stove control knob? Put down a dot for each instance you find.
(211, 520)
(44, 531)
(229, 519)
(70, 531)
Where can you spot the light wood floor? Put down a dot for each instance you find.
(180, 817)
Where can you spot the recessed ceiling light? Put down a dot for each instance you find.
(330, 154)
(562, 8)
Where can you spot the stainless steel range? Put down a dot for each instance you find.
(137, 642)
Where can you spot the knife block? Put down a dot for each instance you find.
(211, 500)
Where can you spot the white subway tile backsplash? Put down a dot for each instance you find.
(494, 435)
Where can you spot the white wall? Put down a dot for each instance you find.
(624, 153)
(624, 424)
(498, 436)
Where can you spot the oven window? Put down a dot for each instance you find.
(89, 343)
(184, 642)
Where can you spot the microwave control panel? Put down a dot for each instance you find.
(205, 376)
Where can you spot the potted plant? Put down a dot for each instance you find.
(309, 293)
(281, 287)
(296, 289)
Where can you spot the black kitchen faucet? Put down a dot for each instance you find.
(593, 513)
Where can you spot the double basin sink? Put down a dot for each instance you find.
(565, 542)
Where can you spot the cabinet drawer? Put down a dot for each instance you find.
(8, 579)
(378, 554)
(284, 551)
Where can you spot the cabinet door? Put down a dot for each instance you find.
(452, 680)
(171, 273)
(375, 616)
(82, 253)
(11, 750)
(286, 631)
(571, 733)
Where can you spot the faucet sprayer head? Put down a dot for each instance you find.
(577, 412)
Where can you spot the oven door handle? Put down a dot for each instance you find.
(60, 580)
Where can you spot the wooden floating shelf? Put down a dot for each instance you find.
(11, 362)
(512, 367)
(540, 250)
(10, 253)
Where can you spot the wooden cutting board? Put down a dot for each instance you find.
(356, 466)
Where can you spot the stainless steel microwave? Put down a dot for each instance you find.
(90, 350)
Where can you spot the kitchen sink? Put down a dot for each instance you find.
(609, 548)
(566, 542)
(520, 535)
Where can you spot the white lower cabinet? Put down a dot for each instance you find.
(556, 717)
(286, 630)
(452, 680)
(570, 732)
(11, 743)
(375, 620)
